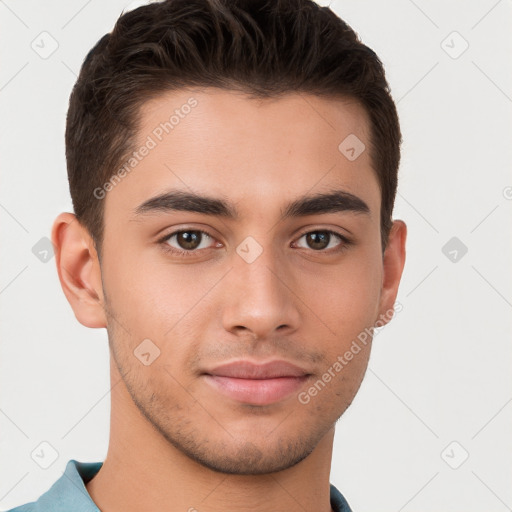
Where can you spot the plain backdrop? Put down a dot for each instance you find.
(430, 427)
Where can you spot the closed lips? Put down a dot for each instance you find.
(248, 370)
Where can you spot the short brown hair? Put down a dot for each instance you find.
(264, 48)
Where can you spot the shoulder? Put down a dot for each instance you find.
(338, 501)
(68, 492)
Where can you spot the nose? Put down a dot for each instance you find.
(261, 297)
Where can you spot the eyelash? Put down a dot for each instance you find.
(346, 242)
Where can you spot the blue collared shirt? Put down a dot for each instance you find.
(69, 494)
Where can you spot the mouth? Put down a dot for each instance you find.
(257, 384)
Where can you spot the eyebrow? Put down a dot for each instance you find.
(322, 203)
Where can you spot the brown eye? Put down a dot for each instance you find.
(187, 240)
(318, 240)
(323, 240)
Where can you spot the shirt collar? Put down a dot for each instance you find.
(338, 501)
(69, 491)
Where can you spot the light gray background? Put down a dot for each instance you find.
(438, 374)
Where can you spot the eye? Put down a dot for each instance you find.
(320, 240)
(186, 242)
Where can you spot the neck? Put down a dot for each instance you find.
(143, 471)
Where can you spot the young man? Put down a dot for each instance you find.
(233, 168)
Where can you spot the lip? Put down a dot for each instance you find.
(257, 384)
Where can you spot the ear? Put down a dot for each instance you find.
(393, 264)
(79, 270)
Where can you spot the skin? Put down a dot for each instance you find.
(175, 442)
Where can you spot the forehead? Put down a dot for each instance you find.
(254, 151)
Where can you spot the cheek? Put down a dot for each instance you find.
(345, 297)
(345, 301)
(168, 304)
(145, 289)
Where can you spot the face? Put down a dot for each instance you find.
(243, 279)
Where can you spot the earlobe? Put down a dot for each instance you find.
(79, 270)
(393, 265)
